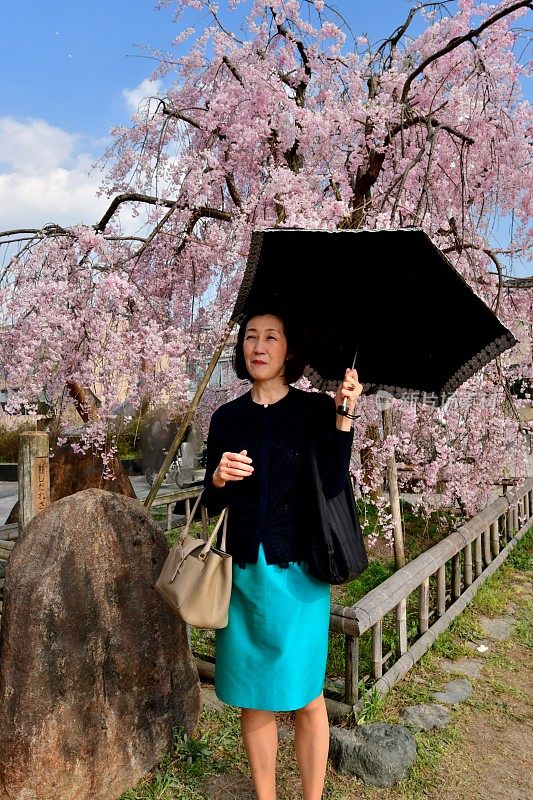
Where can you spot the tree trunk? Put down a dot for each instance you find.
(394, 495)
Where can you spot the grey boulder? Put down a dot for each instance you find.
(379, 754)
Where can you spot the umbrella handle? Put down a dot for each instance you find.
(343, 411)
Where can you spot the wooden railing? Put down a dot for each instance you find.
(429, 592)
(169, 499)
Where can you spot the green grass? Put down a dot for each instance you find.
(377, 572)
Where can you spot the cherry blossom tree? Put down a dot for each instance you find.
(291, 119)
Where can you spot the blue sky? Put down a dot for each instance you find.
(72, 69)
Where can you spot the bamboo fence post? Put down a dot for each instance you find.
(351, 669)
(478, 556)
(468, 565)
(521, 511)
(423, 606)
(509, 524)
(401, 626)
(456, 576)
(169, 516)
(188, 510)
(377, 649)
(494, 538)
(487, 558)
(394, 494)
(441, 590)
(34, 475)
(188, 416)
(203, 512)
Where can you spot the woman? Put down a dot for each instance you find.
(272, 655)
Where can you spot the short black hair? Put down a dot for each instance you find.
(296, 362)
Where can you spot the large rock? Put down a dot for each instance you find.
(94, 668)
(379, 754)
(72, 472)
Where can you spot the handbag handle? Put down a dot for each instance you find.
(222, 519)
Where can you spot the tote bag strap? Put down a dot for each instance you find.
(209, 543)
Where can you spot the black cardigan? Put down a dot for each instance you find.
(275, 505)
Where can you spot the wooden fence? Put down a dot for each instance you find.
(428, 593)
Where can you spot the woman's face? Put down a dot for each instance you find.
(265, 347)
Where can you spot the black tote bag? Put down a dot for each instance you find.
(336, 551)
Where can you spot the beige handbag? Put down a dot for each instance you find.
(196, 577)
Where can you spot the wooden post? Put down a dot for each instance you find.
(377, 651)
(468, 565)
(203, 511)
(394, 494)
(509, 523)
(423, 606)
(441, 590)
(169, 516)
(478, 556)
(486, 547)
(456, 576)
(351, 669)
(188, 416)
(503, 528)
(494, 538)
(34, 475)
(401, 626)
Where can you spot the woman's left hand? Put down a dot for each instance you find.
(350, 389)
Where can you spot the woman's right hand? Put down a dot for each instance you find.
(232, 467)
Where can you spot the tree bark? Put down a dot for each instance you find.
(394, 494)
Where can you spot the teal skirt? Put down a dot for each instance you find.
(272, 654)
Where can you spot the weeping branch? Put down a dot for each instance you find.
(453, 44)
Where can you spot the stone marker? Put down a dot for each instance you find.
(425, 717)
(379, 754)
(72, 472)
(454, 692)
(94, 668)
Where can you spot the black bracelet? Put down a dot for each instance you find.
(345, 413)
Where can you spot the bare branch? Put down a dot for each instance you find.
(233, 69)
(47, 230)
(416, 119)
(130, 197)
(176, 114)
(232, 189)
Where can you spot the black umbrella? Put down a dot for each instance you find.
(390, 295)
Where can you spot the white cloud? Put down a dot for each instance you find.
(143, 90)
(44, 176)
